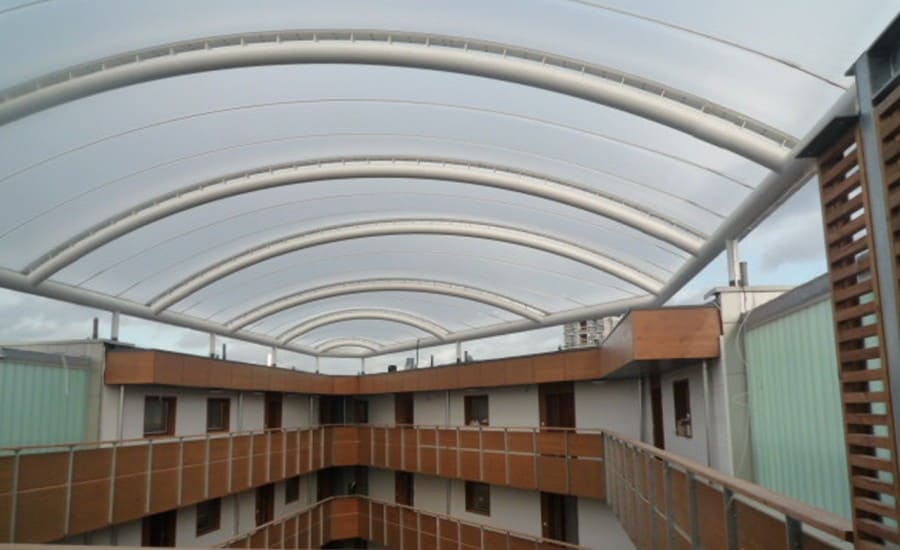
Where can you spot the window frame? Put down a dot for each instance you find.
(292, 484)
(171, 404)
(681, 400)
(217, 517)
(471, 497)
(226, 414)
(469, 410)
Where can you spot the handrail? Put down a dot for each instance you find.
(314, 506)
(795, 512)
(815, 517)
(224, 435)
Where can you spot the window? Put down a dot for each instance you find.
(292, 490)
(217, 415)
(209, 514)
(682, 396)
(476, 410)
(478, 498)
(159, 415)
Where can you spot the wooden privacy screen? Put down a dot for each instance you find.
(859, 332)
(47, 496)
(387, 524)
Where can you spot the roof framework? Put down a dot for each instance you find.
(455, 175)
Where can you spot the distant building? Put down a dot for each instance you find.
(580, 334)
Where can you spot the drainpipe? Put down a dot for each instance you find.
(707, 419)
(121, 413)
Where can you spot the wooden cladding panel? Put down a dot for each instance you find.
(847, 219)
(674, 333)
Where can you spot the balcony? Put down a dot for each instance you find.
(49, 493)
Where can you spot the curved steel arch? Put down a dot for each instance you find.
(335, 234)
(616, 89)
(335, 343)
(380, 285)
(402, 317)
(571, 194)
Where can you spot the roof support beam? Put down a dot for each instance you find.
(331, 235)
(385, 285)
(336, 343)
(409, 319)
(614, 88)
(649, 221)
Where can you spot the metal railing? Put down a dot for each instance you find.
(660, 498)
(364, 511)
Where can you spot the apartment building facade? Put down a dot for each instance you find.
(518, 451)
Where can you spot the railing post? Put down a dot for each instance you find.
(230, 459)
(667, 489)
(268, 456)
(418, 451)
(731, 533)
(650, 463)
(250, 460)
(692, 507)
(112, 483)
(506, 457)
(793, 533)
(71, 469)
(180, 483)
(403, 449)
(480, 455)
(205, 470)
(15, 497)
(568, 461)
(149, 476)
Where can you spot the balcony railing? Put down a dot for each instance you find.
(387, 524)
(49, 493)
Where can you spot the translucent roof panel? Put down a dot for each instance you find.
(398, 174)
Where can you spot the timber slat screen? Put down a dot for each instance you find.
(859, 332)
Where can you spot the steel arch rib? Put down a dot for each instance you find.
(402, 317)
(380, 285)
(617, 89)
(335, 234)
(572, 194)
(335, 343)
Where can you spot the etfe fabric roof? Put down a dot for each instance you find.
(357, 177)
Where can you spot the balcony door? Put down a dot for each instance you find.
(265, 504)
(273, 410)
(557, 404)
(403, 409)
(559, 517)
(158, 530)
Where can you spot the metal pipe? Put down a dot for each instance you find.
(707, 419)
(114, 329)
(604, 85)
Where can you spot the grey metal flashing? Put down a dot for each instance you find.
(812, 292)
(44, 359)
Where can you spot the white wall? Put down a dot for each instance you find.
(599, 528)
(381, 409)
(511, 407)
(307, 496)
(186, 525)
(694, 447)
(613, 405)
(513, 509)
(295, 411)
(430, 408)
(381, 484)
(190, 411)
